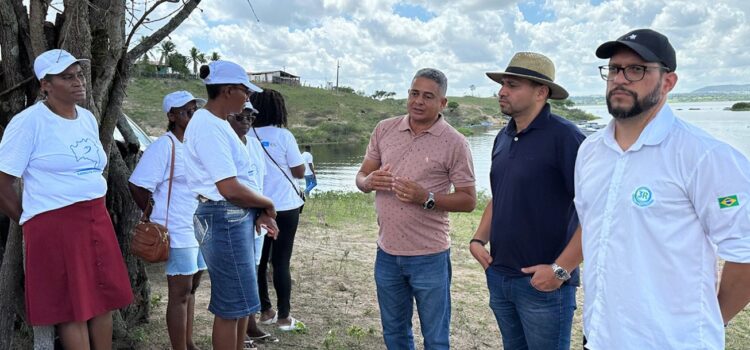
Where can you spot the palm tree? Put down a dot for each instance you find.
(215, 56)
(196, 57)
(166, 48)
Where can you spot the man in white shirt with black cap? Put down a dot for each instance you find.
(658, 200)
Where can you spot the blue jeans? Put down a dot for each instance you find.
(225, 235)
(528, 318)
(402, 279)
(310, 183)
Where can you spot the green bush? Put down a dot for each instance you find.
(741, 106)
(452, 106)
(465, 131)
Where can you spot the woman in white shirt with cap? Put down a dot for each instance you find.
(74, 272)
(217, 173)
(150, 182)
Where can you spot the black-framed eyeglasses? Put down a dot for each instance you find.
(632, 73)
(185, 112)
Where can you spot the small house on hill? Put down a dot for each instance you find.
(275, 77)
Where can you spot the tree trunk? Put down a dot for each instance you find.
(94, 29)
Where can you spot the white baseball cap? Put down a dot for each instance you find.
(249, 105)
(225, 72)
(54, 62)
(178, 99)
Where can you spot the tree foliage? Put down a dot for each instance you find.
(452, 106)
(345, 89)
(167, 48)
(382, 95)
(566, 103)
(178, 62)
(102, 31)
(196, 57)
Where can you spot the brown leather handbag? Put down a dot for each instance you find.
(150, 240)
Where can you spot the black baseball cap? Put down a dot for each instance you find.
(651, 45)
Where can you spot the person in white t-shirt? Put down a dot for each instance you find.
(150, 179)
(74, 272)
(311, 179)
(284, 164)
(241, 125)
(217, 171)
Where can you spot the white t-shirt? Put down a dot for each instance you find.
(654, 219)
(308, 159)
(60, 160)
(213, 152)
(257, 164)
(282, 146)
(152, 173)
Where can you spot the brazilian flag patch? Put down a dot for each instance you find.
(728, 202)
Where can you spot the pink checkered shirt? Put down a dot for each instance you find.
(436, 159)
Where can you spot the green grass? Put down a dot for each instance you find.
(315, 115)
(337, 210)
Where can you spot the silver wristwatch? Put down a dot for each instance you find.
(560, 273)
(430, 202)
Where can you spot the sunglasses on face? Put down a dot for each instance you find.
(243, 89)
(243, 117)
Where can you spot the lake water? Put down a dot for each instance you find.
(337, 165)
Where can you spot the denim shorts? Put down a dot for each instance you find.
(185, 261)
(225, 234)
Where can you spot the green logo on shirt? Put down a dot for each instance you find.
(643, 197)
(728, 202)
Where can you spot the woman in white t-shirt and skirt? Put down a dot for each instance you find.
(150, 182)
(74, 272)
(217, 169)
(284, 164)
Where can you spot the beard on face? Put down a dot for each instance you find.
(639, 106)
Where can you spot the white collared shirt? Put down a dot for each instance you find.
(653, 223)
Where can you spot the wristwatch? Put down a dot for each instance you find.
(560, 273)
(430, 203)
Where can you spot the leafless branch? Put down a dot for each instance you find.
(162, 32)
(144, 17)
(18, 85)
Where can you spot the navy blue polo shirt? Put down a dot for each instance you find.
(533, 216)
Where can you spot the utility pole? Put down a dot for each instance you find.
(338, 65)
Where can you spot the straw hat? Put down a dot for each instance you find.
(535, 67)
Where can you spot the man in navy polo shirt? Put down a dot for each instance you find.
(531, 223)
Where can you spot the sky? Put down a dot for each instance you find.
(380, 44)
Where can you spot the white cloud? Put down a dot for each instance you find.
(380, 50)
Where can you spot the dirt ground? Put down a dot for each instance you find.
(334, 293)
(333, 289)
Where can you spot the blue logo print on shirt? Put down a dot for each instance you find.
(86, 151)
(643, 197)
